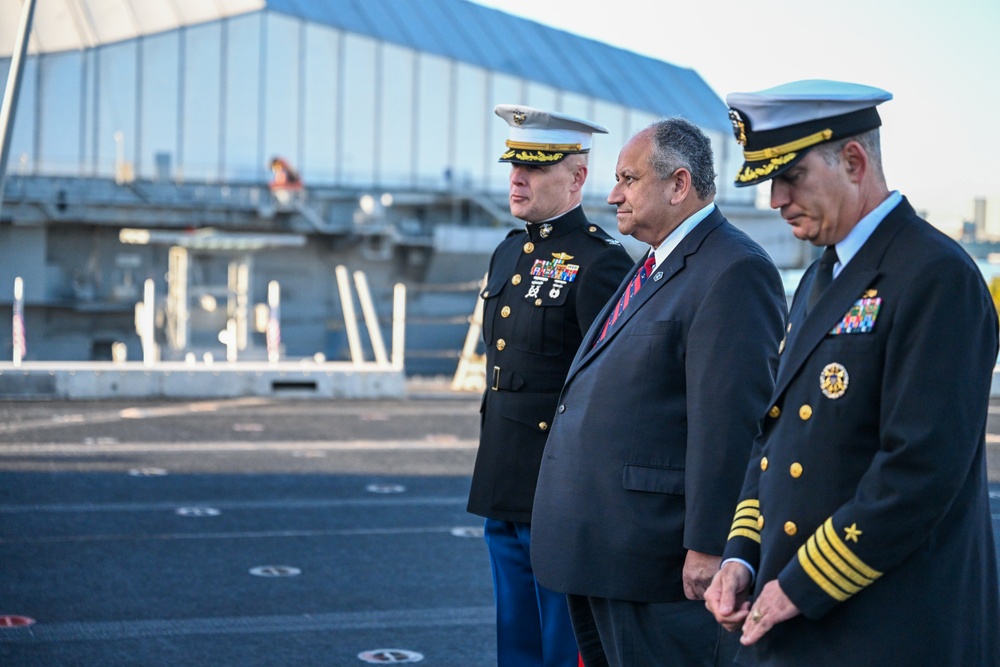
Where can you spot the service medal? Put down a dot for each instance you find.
(833, 380)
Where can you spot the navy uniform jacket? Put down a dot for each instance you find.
(545, 286)
(866, 496)
(656, 422)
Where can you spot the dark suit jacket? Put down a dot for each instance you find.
(866, 496)
(546, 285)
(656, 422)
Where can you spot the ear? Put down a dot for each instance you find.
(579, 177)
(855, 161)
(679, 185)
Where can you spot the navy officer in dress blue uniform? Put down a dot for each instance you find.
(546, 284)
(862, 536)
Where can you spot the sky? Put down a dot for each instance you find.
(940, 60)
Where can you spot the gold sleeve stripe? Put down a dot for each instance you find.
(820, 580)
(829, 571)
(845, 552)
(837, 562)
(745, 522)
(743, 532)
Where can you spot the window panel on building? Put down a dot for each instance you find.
(358, 120)
(322, 106)
(21, 158)
(281, 89)
(158, 123)
(116, 106)
(395, 143)
(202, 100)
(242, 154)
(434, 109)
(469, 129)
(60, 105)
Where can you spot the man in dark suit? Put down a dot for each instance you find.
(657, 417)
(863, 535)
(546, 284)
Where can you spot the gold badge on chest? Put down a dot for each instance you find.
(833, 380)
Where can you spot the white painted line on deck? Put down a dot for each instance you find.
(252, 535)
(70, 448)
(302, 503)
(45, 633)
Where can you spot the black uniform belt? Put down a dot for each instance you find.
(511, 381)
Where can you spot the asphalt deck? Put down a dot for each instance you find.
(249, 532)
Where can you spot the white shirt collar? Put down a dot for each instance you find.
(849, 247)
(675, 237)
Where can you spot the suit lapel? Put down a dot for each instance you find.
(857, 276)
(662, 274)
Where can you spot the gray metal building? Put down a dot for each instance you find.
(166, 116)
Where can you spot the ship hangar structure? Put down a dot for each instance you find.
(215, 148)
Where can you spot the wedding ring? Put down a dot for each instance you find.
(755, 616)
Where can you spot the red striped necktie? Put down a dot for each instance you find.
(630, 291)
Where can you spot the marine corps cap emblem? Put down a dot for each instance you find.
(520, 117)
(545, 230)
(833, 380)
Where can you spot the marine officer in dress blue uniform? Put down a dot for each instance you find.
(546, 284)
(863, 535)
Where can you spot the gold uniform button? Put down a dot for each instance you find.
(805, 412)
(529, 247)
(796, 470)
(760, 521)
(592, 228)
(501, 344)
(538, 302)
(781, 346)
(544, 426)
(763, 463)
(790, 528)
(486, 294)
(774, 412)
(516, 280)
(505, 311)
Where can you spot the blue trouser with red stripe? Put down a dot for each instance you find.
(533, 625)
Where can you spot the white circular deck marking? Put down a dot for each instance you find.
(248, 428)
(308, 455)
(467, 531)
(198, 511)
(390, 656)
(100, 441)
(275, 571)
(147, 472)
(385, 488)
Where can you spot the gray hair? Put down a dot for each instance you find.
(869, 140)
(679, 143)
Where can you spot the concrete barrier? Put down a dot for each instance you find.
(96, 380)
